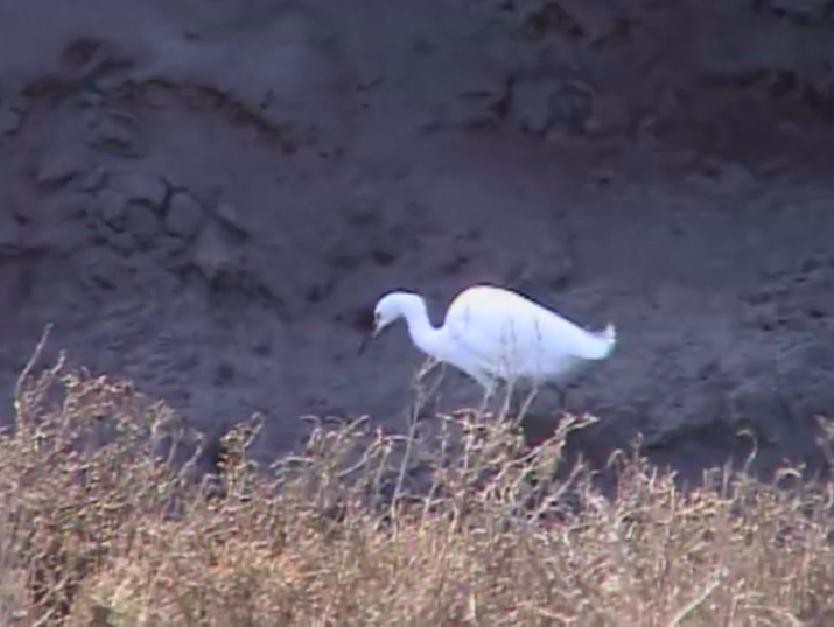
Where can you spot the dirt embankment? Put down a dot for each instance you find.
(207, 198)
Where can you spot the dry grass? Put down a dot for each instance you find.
(96, 528)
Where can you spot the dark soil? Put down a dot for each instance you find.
(208, 197)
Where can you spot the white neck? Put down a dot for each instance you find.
(426, 337)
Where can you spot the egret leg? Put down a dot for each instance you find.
(508, 404)
(562, 394)
(525, 401)
(563, 397)
(489, 392)
(488, 386)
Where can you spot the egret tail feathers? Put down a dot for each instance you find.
(610, 333)
(609, 336)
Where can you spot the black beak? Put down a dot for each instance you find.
(375, 329)
(367, 340)
(364, 344)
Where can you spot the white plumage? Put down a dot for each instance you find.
(495, 334)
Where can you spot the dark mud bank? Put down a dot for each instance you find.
(208, 197)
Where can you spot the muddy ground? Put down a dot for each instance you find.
(208, 197)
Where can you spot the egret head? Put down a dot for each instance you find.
(388, 308)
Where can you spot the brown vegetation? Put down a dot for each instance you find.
(98, 528)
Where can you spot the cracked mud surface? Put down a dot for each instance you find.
(208, 197)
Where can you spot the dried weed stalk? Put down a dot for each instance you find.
(463, 526)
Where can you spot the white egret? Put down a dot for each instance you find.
(494, 334)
